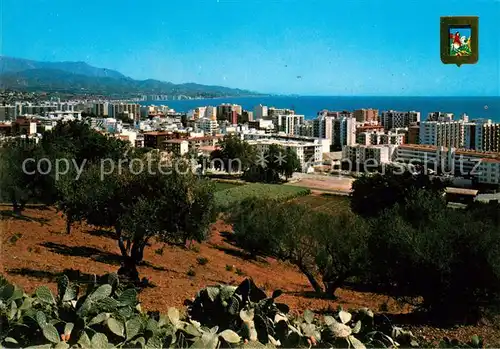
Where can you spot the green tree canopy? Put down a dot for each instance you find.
(234, 153)
(373, 193)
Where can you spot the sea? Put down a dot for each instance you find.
(474, 107)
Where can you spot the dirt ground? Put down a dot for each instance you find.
(35, 248)
(323, 182)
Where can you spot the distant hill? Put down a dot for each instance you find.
(80, 77)
(15, 65)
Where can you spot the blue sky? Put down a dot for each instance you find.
(349, 47)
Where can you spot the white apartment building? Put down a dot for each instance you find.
(8, 112)
(211, 113)
(488, 136)
(398, 119)
(344, 132)
(208, 126)
(323, 125)
(199, 112)
(177, 146)
(129, 135)
(260, 112)
(481, 165)
(445, 133)
(100, 108)
(422, 154)
(286, 123)
(372, 155)
(116, 109)
(306, 129)
(308, 153)
(489, 171)
(378, 137)
(273, 112)
(439, 116)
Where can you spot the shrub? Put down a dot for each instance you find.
(202, 260)
(229, 267)
(371, 194)
(454, 267)
(109, 315)
(239, 272)
(13, 238)
(333, 246)
(160, 250)
(194, 248)
(191, 272)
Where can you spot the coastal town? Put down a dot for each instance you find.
(342, 143)
(249, 174)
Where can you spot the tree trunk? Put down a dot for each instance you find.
(332, 286)
(312, 280)
(69, 220)
(123, 249)
(18, 207)
(128, 270)
(137, 252)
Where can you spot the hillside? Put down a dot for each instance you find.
(39, 250)
(81, 78)
(15, 65)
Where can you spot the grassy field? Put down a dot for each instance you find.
(225, 185)
(229, 197)
(326, 202)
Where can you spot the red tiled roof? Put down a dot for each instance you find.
(205, 138)
(157, 133)
(175, 140)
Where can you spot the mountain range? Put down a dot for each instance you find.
(82, 78)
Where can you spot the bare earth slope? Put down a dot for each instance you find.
(35, 249)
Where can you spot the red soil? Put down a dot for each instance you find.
(44, 250)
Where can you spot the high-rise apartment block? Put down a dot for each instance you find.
(211, 113)
(344, 132)
(366, 115)
(260, 112)
(286, 122)
(225, 112)
(487, 136)
(398, 119)
(439, 116)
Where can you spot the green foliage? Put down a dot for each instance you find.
(81, 143)
(173, 207)
(202, 260)
(333, 246)
(240, 272)
(233, 155)
(13, 238)
(450, 258)
(225, 185)
(20, 180)
(191, 271)
(373, 193)
(108, 315)
(229, 198)
(343, 248)
(280, 162)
